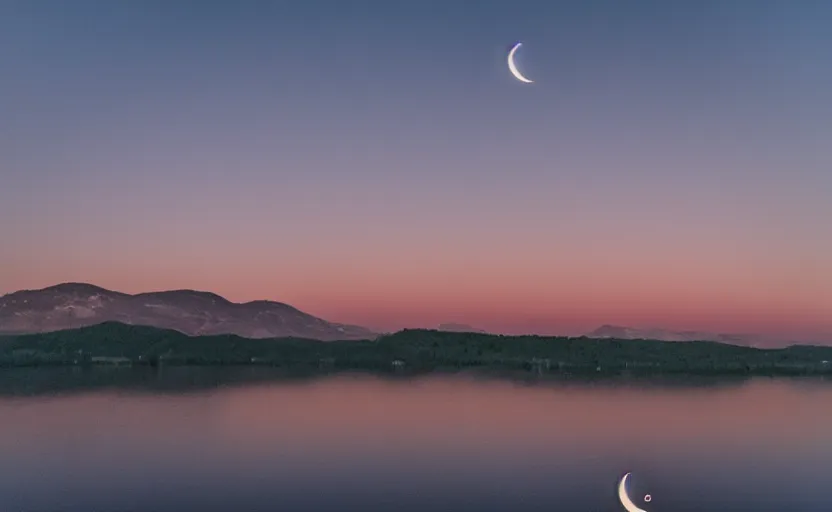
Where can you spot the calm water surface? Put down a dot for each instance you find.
(135, 440)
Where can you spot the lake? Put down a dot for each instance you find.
(111, 440)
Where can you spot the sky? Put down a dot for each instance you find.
(374, 162)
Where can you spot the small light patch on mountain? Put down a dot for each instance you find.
(455, 327)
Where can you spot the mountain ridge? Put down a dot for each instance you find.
(193, 312)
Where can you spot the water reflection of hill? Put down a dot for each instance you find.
(71, 380)
(57, 381)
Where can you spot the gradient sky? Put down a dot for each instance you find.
(374, 162)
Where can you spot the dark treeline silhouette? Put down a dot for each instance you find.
(407, 351)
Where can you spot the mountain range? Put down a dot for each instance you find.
(73, 305)
(630, 333)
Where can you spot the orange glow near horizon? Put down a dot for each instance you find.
(549, 303)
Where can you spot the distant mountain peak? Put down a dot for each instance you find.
(73, 287)
(185, 293)
(267, 304)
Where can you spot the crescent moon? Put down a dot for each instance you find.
(626, 502)
(513, 68)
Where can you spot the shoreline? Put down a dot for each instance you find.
(404, 369)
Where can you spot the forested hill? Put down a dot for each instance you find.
(414, 350)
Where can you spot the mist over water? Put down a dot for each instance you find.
(248, 440)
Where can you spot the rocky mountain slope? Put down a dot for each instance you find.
(72, 305)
